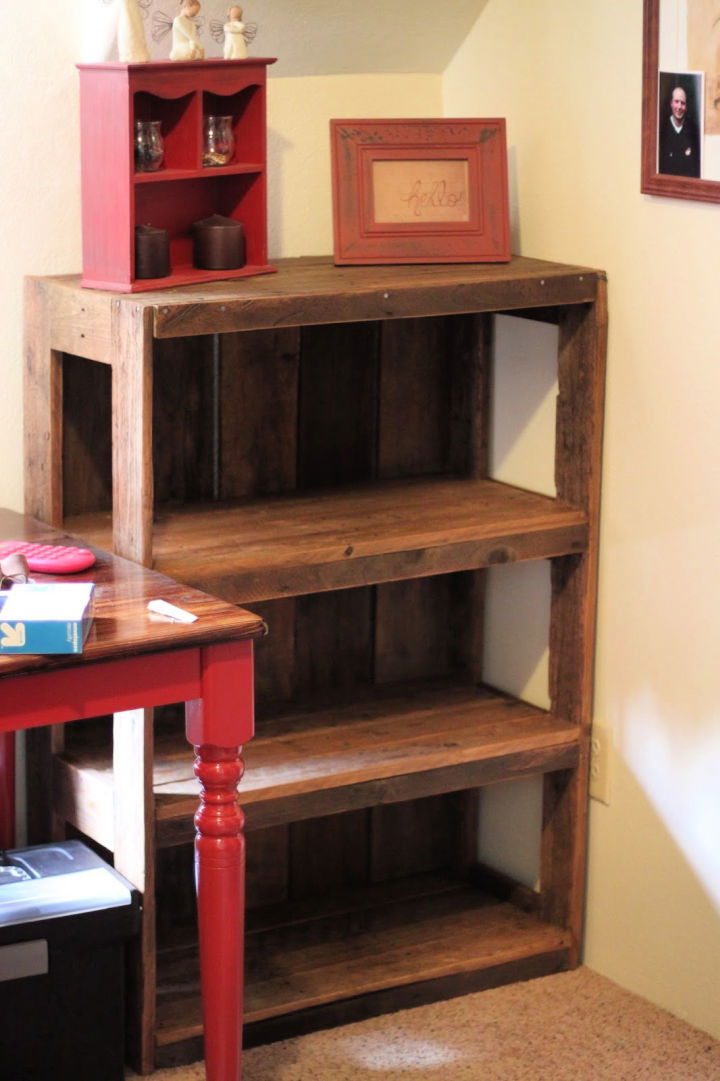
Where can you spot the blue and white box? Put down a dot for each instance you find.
(50, 618)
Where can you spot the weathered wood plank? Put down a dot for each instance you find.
(189, 1048)
(133, 848)
(416, 836)
(306, 291)
(581, 380)
(266, 867)
(459, 940)
(43, 409)
(413, 629)
(415, 396)
(470, 348)
(327, 854)
(333, 654)
(258, 412)
(132, 378)
(79, 321)
(390, 735)
(329, 539)
(377, 793)
(392, 999)
(86, 443)
(333, 647)
(399, 738)
(393, 944)
(275, 657)
(183, 420)
(337, 427)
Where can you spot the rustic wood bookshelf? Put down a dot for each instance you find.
(315, 444)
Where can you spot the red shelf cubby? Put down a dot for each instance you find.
(116, 198)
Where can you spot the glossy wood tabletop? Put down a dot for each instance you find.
(123, 626)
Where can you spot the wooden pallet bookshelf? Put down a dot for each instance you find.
(314, 444)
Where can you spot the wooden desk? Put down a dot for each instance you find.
(131, 660)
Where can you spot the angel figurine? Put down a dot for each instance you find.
(113, 30)
(235, 34)
(235, 47)
(185, 42)
(132, 48)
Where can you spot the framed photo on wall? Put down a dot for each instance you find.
(420, 191)
(681, 99)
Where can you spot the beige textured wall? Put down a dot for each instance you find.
(567, 75)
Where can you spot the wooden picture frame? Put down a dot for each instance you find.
(420, 191)
(677, 47)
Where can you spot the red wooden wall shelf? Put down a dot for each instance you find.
(116, 198)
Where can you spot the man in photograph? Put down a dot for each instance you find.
(678, 137)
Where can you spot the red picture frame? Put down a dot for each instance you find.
(420, 191)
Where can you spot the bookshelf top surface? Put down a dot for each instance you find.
(314, 290)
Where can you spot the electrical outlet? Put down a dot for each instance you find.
(600, 747)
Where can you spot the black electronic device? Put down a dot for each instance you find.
(65, 919)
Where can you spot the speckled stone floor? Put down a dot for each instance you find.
(576, 1026)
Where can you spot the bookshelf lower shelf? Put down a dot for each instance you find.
(397, 742)
(421, 936)
(338, 538)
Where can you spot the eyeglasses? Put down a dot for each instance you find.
(14, 570)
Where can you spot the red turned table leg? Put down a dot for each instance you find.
(220, 870)
(218, 725)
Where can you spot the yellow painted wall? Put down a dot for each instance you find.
(299, 110)
(567, 75)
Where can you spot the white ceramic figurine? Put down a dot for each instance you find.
(185, 43)
(113, 30)
(235, 47)
(130, 34)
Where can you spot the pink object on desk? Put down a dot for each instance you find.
(49, 558)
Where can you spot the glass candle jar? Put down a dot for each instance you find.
(149, 147)
(219, 144)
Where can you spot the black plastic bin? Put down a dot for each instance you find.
(65, 918)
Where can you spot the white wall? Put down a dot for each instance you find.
(567, 75)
